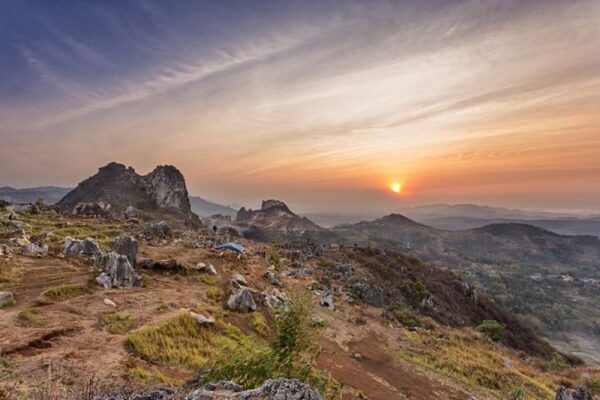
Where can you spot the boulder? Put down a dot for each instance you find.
(126, 245)
(273, 389)
(206, 269)
(87, 247)
(27, 209)
(328, 300)
(160, 230)
(6, 298)
(118, 270)
(238, 281)
(169, 265)
(241, 301)
(158, 394)
(91, 209)
(36, 250)
(15, 224)
(273, 278)
(273, 299)
(109, 303)
(580, 393)
(202, 319)
(22, 240)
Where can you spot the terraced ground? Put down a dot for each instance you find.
(60, 334)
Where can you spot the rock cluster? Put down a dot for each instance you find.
(273, 389)
(580, 393)
(118, 272)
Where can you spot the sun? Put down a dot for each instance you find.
(396, 187)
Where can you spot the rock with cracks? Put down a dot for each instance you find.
(6, 298)
(580, 393)
(273, 389)
(126, 245)
(118, 272)
(241, 301)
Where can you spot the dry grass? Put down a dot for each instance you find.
(182, 342)
(9, 273)
(208, 279)
(214, 293)
(28, 317)
(476, 363)
(153, 376)
(65, 291)
(259, 324)
(118, 322)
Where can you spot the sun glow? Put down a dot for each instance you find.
(396, 187)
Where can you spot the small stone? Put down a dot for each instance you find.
(206, 269)
(110, 303)
(6, 298)
(273, 278)
(241, 301)
(203, 319)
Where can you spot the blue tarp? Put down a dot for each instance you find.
(231, 246)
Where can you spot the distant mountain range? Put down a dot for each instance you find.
(552, 280)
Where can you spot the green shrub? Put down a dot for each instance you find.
(208, 279)
(289, 355)
(492, 328)
(556, 363)
(28, 317)
(516, 393)
(274, 257)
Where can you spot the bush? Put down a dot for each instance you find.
(516, 394)
(28, 317)
(289, 355)
(274, 257)
(492, 328)
(556, 363)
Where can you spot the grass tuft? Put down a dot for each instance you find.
(118, 322)
(214, 293)
(259, 324)
(28, 317)
(153, 376)
(65, 291)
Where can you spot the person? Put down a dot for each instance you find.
(214, 228)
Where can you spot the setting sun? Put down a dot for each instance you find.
(396, 187)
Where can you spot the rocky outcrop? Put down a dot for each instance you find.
(118, 272)
(158, 230)
(117, 187)
(87, 247)
(241, 300)
(126, 245)
(273, 389)
(168, 265)
(580, 393)
(370, 294)
(275, 215)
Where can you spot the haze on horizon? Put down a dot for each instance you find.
(323, 104)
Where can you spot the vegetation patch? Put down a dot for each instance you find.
(7, 369)
(9, 273)
(208, 279)
(290, 355)
(153, 376)
(476, 363)
(28, 317)
(273, 257)
(259, 324)
(214, 293)
(182, 342)
(492, 328)
(65, 291)
(118, 322)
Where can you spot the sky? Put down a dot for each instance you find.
(323, 104)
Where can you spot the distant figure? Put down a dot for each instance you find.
(214, 228)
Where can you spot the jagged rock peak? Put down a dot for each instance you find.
(120, 187)
(275, 203)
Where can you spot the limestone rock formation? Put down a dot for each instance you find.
(118, 272)
(87, 247)
(126, 245)
(273, 389)
(118, 187)
(580, 393)
(275, 215)
(6, 298)
(241, 301)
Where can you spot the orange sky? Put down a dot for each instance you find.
(486, 102)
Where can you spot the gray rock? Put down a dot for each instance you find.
(370, 294)
(241, 301)
(169, 265)
(427, 303)
(87, 247)
(159, 394)
(160, 230)
(328, 300)
(6, 298)
(36, 250)
(91, 209)
(344, 269)
(203, 319)
(126, 245)
(580, 393)
(15, 223)
(5, 251)
(27, 209)
(118, 269)
(301, 272)
(273, 299)
(273, 278)
(238, 280)
(273, 389)
(206, 269)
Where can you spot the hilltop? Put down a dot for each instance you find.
(546, 278)
(117, 189)
(372, 323)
